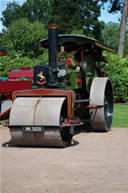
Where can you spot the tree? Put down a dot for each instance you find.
(69, 14)
(37, 10)
(110, 34)
(23, 38)
(13, 12)
(123, 28)
(77, 14)
(122, 6)
(33, 10)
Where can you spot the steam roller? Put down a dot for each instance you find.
(70, 90)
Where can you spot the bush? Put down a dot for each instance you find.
(117, 70)
(7, 64)
(23, 38)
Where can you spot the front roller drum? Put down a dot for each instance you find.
(101, 95)
(50, 137)
(39, 113)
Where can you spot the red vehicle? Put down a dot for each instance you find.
(7, 87)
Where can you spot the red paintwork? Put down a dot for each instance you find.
(78, 80)
(93, 106)
(7, 87)
(3, 53)
(25, 72)
(70, 123)
(68, 61)
(41, 83)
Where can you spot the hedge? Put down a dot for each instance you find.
(116, 69)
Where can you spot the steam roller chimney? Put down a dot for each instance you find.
(52, 45)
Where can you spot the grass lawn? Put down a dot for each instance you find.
(120, 118)
(2, 121)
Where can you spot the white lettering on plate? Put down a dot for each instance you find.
(28, 128)
(36, 128)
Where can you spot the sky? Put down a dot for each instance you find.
(105, 16)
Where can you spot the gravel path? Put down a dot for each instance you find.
(96, 163)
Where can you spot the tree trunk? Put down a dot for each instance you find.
(123, 28)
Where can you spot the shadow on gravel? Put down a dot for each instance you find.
(10, 144)
(82, 129)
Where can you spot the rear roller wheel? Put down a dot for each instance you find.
(101, 94)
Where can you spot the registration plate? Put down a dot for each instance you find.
(33, 129)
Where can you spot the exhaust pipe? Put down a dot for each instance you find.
(52, 45)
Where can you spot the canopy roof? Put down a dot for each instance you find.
(72, 42)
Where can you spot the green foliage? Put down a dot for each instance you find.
(126, 45)
(37, 10)
(22, 38)
(44, 56)
(77, 14)
(7, 64)
(12, 13)
(110, 34)
(7, 43)
(69, 14)
(33, 10)
(78, 32)
(117, 70)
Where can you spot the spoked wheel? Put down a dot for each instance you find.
(101, 94)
